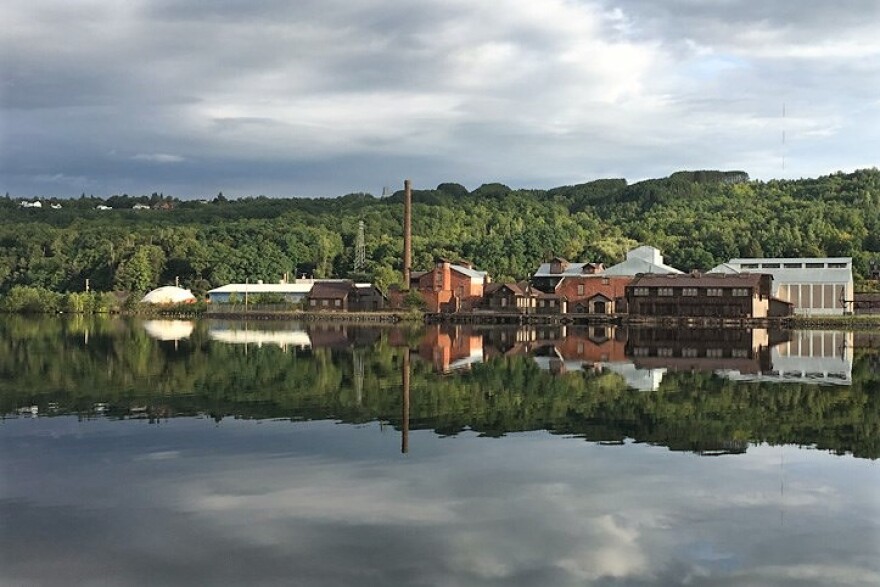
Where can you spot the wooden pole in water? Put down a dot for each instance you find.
(404, 438)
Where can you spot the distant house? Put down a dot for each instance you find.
(593, 294)
(509, 297)
(451, 287)
(345, 296)
(102, 207)
(140, 207)
(718, 295)
(330, 296)
(812, 285)
(36, 204)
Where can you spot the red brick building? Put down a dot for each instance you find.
(450, 287)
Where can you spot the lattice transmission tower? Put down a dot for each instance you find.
(360, 249)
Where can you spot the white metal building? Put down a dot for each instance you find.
(644, 259)
(813, 285)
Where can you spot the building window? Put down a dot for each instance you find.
(313, 303)
(714, 292)
(640, 291)
(770, 265)
(689, 291)
(337, 303)
(739, 353)
(580, 289)
(793, 265)
(325, 302)
(688, 352)
(837, 265)
(741, 292)
(714, 353)
(605, 281)
(503, 302)
(551, 303)
(665, 292)
(749, 266)
(815, 265)
(664, 352)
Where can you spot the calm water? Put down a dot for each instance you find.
(180, 453)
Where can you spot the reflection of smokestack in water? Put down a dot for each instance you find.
(404, 439)
(407, 233)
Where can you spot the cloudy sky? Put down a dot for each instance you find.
(325, 97)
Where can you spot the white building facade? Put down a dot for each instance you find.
(813, 285)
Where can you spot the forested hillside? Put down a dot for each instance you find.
(696, 218)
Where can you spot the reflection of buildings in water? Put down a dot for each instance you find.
(169, 329)
(810, 356)
(244, 335)
(451, 348)
(584, 349)
(640, 379)
(700, 349)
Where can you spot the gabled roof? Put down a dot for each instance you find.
(569, 270)
(514, 288)
(333, 290)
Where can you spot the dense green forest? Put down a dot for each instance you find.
(71, 366)
(697, 219)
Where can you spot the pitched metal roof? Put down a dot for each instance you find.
(699, 280)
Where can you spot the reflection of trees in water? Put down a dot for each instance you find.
(47, 363)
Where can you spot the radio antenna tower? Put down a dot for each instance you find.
(360, 249)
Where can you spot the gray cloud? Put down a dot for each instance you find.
(531, 94)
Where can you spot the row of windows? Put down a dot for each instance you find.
(668, 292)
(325, 303)
(814, 265)
(692, 353)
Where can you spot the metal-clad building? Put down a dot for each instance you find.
(813, 285)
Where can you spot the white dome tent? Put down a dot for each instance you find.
(169, 294)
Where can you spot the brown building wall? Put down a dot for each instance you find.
(579, 290)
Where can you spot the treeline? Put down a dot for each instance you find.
(698, 219)
(71, 366)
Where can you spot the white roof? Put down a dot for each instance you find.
(643, 259)
(279, 288)
(793, 269)
(472, 273)
(299, 287)
(168, 294)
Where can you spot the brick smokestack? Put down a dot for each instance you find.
(407, 233)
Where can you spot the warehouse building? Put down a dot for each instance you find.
(812, 285)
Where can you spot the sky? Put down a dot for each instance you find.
(328, 97)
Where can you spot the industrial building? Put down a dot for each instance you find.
(812, 285)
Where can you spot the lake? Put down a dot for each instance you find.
(228, 453)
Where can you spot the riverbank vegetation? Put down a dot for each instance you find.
(696, 219)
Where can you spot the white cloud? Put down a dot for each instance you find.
(524, 92)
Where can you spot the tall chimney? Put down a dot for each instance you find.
(407, 233)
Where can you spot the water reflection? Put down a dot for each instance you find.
(134, 461)
(169, 329)
(704, 391)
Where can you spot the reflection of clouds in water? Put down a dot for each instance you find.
(261, 504)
